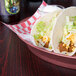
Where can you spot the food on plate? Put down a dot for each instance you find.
(42, 29)
(64, 32)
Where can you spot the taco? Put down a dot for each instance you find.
(64, 32)
(42, 29)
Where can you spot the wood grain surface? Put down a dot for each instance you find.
(17, 60)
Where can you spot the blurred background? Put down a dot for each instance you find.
(32, 5)
(27, 8)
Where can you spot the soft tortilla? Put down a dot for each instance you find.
(59, 27)
(46, 18)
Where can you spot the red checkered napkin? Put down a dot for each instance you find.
(23, 29)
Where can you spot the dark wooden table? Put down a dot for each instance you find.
(17, 60)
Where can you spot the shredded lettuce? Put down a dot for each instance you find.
(40, 26)
(70, 27)
(37, 36)
(43, 28)
(70, 24)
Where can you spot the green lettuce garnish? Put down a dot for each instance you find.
(44, 28)
(70, 24)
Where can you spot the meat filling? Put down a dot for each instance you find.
(63, 47)
(43, 41)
